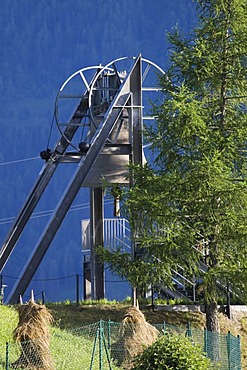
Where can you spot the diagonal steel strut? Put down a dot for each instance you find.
(127, 94)
(69, 195)
(45, 175)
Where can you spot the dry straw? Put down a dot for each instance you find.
(135, 335)
(32, 332)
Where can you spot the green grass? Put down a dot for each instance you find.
(74, 328)
(70, 350)
(88, 312)
(73, 332)
(73, 344)
(8, 322)
(75, 350)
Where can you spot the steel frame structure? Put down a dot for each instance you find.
(127, 98)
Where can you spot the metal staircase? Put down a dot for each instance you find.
(117, 235)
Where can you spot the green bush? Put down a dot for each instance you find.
(172, 352)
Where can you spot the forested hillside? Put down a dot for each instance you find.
(42, 43)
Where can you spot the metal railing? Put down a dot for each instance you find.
(117, 234)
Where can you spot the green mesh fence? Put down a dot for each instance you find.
(111, 345)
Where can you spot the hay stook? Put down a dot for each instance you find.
(135, 335)
(32, 332)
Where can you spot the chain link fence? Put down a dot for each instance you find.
(223, 350)
(110, 345)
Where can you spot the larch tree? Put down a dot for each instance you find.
(189, 206)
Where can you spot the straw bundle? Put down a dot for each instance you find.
(135, 335)
(32, 332)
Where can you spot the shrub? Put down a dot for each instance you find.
(172, 352)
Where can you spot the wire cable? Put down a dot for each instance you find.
(19, 161)
(73, 208)
(51, 128)
(61, 278)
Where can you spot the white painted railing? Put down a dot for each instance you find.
(116, 235)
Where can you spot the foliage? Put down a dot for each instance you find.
(172, 352)
(201, 141)
(190, 205)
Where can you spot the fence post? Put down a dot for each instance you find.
(107, 347)
(101, 333)
(229, 342)
(77, 289)
(238, 353)
(164, 327)
(7, 356)
(188, 331)
(94, 348)
(109, 334)
(206, 341)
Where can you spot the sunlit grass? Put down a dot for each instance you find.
(75, 327)
(75, 349)
(8, 321)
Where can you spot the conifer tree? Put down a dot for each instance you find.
(189, 206)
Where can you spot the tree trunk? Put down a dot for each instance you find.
(212, 321)
(213, 332)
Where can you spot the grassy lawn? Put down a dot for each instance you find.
(72, 316)
(72, 342)
(74, 328)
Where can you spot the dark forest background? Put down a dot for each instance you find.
(42, 43)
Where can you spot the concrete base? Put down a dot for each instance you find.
(235, 309)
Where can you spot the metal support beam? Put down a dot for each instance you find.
(26, 213)
(127, 98)
(45, 175)
(136, 89)
(83, 168)
(97, 238)
(137, 141)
